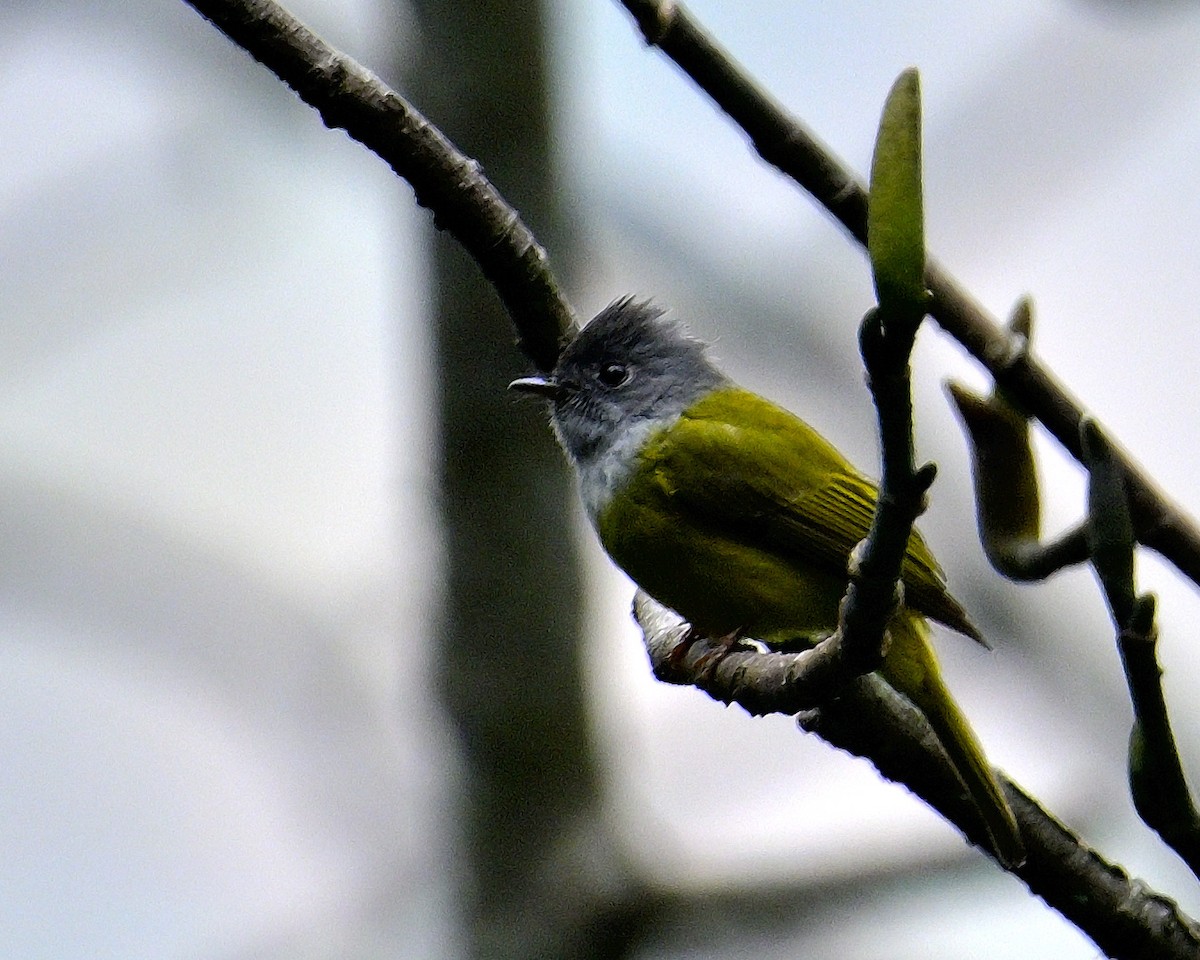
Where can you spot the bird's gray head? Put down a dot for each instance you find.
(627, 373)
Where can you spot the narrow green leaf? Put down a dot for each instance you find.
(895, 214)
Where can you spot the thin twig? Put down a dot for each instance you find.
(787, 144)
(1156, 779)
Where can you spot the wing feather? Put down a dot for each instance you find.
(774, 481)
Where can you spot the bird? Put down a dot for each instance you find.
(740, 517)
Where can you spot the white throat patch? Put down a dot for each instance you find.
(609, 469)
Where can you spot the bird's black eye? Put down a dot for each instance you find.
(614, 374)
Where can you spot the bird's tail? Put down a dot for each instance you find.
(911, 668)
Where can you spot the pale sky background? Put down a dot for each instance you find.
(216, 738)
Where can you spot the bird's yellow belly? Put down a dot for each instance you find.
(713, 580)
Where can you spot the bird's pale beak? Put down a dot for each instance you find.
(546, 387)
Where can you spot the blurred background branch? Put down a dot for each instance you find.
(542, 873)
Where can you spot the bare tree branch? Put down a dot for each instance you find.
(447, 182)
(1123, 916)
(786, 143)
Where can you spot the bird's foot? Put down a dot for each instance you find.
(679, 652)
(708, 664)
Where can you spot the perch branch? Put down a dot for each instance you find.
(1124, 917)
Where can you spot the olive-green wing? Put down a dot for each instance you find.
(763, 476)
